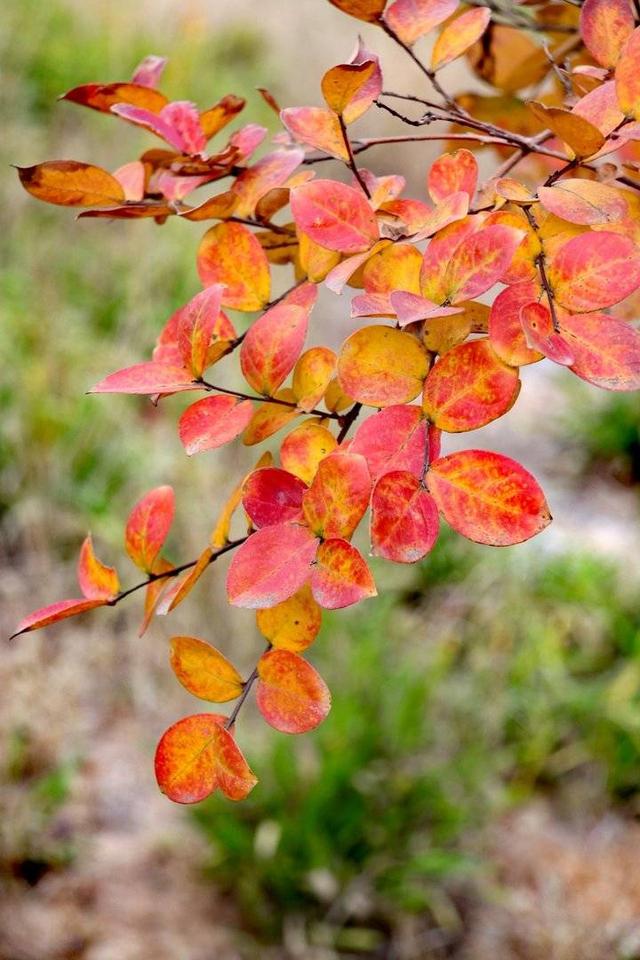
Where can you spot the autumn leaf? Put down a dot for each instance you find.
(488, 497)
(293, 624)
(394, 439)
(231, 255)
(586, 202)
(148, 525)
(97, 581)
(459, 35)
(453, 173)
(291, 696)
(273, 496)
(270, 566)
(505, 329)
(203, 670)
(605, 25)
(340, 576)
(606, 351)
(304, 448)
(69, 183)
(317, 127)
(594, 270)
(541, 334)
(212, 422)
(380, 366)
(338, 496)
(412, 19)
(368, 10)
(404, 518)
(335, 215)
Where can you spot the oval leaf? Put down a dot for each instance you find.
(404, 518)
(594, 270)
(271, 496)
(212, 422)
(71, 184)
(270, 566)
(291, 696)
(203, 670)
(231, 255)
(341, 576)
(97, 581)
(394, 439)
(381, 366)
(335, 215)
(293, 624)
(338, 497)
(148, 525)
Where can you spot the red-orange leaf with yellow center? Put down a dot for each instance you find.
(275, 341)
(231, 255)
(69, 183)
(606, 351)
(338, 497)
(212, 422)
(293, 624)
(412, 19)
(594, 270)
(381, 366)
(605, 25)
(340, 576)
(302, 450)
(479, 261)
(147, 378)
(469, 387)
(318, 127)
(148, 525)
(394, 439)
(203, 670)
(196, 756)
(271, 496)
(343, 87)
(199, 321)
(335, 215)
(505, 329)
(541, 335)
(459, 35)
(97, 581)
(453, 173)
(488, 497)
(404, 518)
(270, 566)
(291, 696)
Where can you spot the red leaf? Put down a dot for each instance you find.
(55, 612)
(393, 439)
(537, 324)
(335, 215)
(338, 497)
(148, 525)
(270, 566)
(177, 123)
(272, 496)
(212, 422)
(318, 127)
(404, 518)
(340, 576)
(411, 19)
(97, 581)
(291, 696)
(273, 344)
(505, 330)
(487, 497)
(606, 350)
(196, 756)
(198, 322)
(594, 270)
(605, 26)
(147, 378)
(479, 261)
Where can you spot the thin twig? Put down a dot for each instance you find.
(258, 399)
(347, 420)
(352, 160)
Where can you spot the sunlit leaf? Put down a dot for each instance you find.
(594, 270)
(312, 375)
(367, 10)
(274, 342)
(412, 19)
(148, 525)
(302, 450)
(272, 496)
(585, 202)
(453, 173)
(604, 26)
(394, 439)
(54, 613)
(71, 184)
(212, 422)
(380, 366)
(147, 378)
(318, 127)
(606, 351)
(203, 670)
(335, 215)
(231, 255)
(291, 696)
(97, 581)
(540, 334)
(293, 624)
(338, 496)
(270, 171)
(505, 330)
(459, 35)
(270, 566)
(577, 132)
(340, 576)
(488, 497)
(404, 518)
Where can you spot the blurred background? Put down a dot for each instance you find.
(475, 790)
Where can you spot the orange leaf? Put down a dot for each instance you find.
(487, 497)
(148, 525)
(594, 270)
(180, 587)
(628, 76)
(469, 387)
(272, 496)
(585, 202)
(55, 612)
(335, 215)
(291, 696)
(97, 581)
(605, 26)
(196, 756)
(220, 114)
(404, 518)
(270, 417)
(340, 576)
(212, 422)
(459, 35)
(412, 19)
(453, 173)
(198, 324)
(479, 261)
(203, 670)
(380, 366)
(231, 255)
(71, 184)
(338, 497)
(302, 450)
(539, 331)
(397, 267)
(103, 96)
(317, 127)
(293, 624)
(270, 566)
(348, 88)
(577, 132)
(274, 342)
(368, 10)
(394, 439)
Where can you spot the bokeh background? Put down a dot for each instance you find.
(475, 790)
